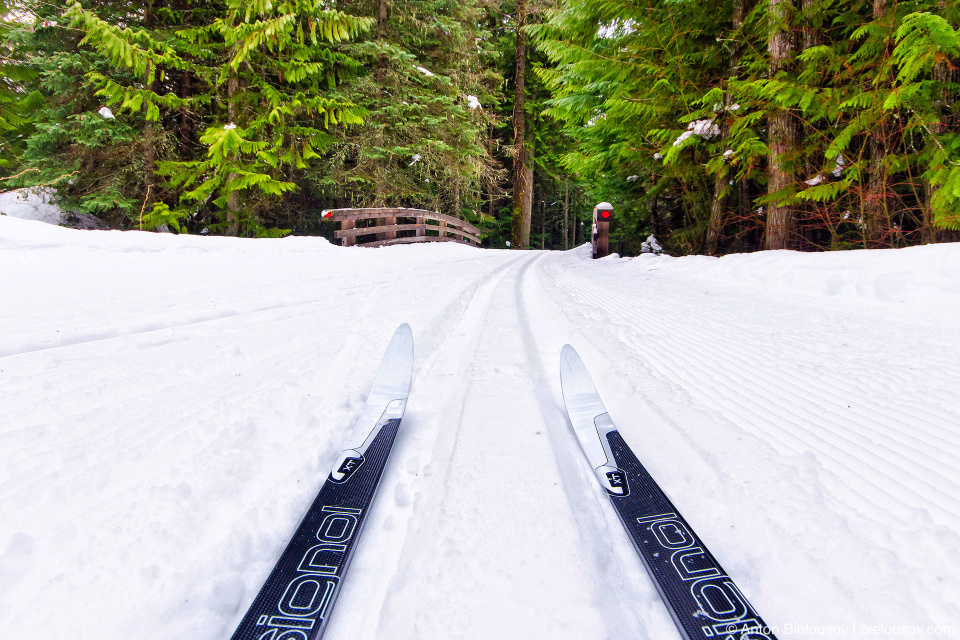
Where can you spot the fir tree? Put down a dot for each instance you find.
(429, 95)
(264, 76)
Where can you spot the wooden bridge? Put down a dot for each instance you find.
(399, 226)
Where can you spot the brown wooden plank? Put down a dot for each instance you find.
(364, 231)
(380, 211)
(348, 240)
(451, 232)
(390, 221)
(412, 239)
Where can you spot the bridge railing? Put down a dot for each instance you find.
(395, 225)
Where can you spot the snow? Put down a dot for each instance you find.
(838, 169)
(171, 405)
(650, 245)
(425, 72)
(106, 113)
(31, 204)
(473, 102)
(38, 204)
(706, 129)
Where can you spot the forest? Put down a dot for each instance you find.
(713, 126)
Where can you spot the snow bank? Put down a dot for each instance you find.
(26, 234)
(29, 204)
(910, 276)
(37, 204)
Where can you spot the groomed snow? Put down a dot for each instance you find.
(169, 406)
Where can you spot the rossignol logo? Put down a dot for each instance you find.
(722, 606)
(308, 595)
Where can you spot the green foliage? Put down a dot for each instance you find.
(161, 217)
(422, 144)
(249, 118)
(266, 74)
(873, 90)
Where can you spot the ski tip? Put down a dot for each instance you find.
(396, 367)
(402, 342)
(575, 383)
(569, 359)
(404, 331)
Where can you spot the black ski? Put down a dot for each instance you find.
(296, 599)
(701, 598)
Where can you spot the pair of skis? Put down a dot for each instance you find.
(295, 601)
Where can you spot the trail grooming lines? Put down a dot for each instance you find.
(701, 598)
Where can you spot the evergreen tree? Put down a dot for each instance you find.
(18, 83)
(822, 125)
(93, 163)
(266, 71)
(428, 91)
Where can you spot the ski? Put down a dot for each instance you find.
(701, 598)
(295, 601)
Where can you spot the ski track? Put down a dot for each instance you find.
(828, 498)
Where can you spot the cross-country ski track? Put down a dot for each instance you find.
(169, 407)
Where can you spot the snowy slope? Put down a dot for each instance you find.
(170, 405)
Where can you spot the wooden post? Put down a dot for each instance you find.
(602, 215)
(348, 224)
(421, 231)
(390, 221)
(443, 229)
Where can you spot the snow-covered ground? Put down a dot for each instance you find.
(170, 405)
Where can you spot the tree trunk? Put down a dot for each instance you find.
(233, 199)
(185, 136)
(810, 35)
(149, 135)
(721, 189)
(943, 72)
(720, 185)
(566, 213)
(528, 198)
(521, 226)
(876, 218)
(543, 224)
(781, 218)
(185, 93)
(813, 162)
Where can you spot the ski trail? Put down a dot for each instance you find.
(628, 601)
(485, 539)
(222, 445)
(419, 464)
